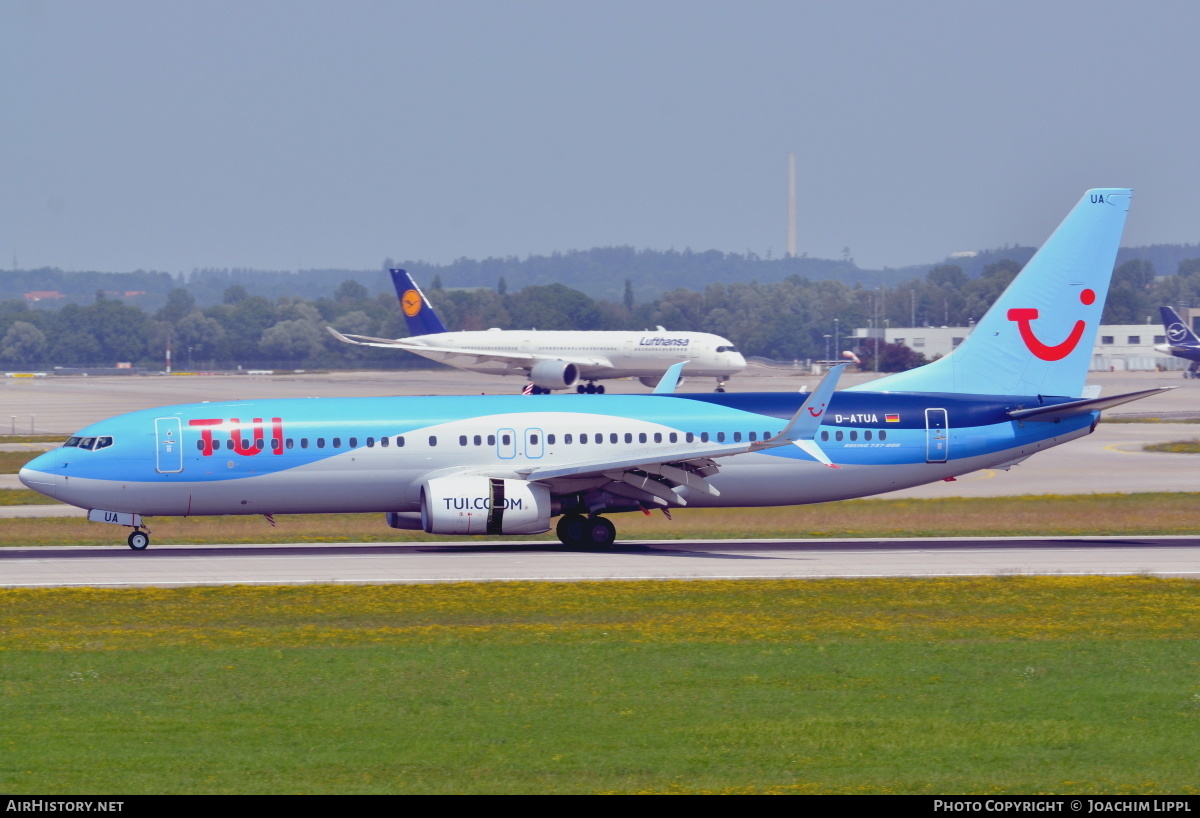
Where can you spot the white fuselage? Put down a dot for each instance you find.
(610, 354)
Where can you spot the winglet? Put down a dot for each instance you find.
(801, 430)
(670, 379)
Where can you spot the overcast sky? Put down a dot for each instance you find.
(172, 135)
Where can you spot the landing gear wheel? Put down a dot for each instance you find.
(572, 529)
(600, 389)
(719, 389)
(601, 533)
(138, 540)
(581, 389)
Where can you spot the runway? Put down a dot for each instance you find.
(173, 566)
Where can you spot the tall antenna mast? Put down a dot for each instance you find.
(791, 226)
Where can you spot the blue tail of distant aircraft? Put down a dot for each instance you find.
(1178, 334)
(1037, 338)
(418, 312)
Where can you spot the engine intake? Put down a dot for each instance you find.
(554, 374)
(484, 505)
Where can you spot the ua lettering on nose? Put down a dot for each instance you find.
(1047, 352)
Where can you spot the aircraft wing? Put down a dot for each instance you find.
(654, 476)
(522, 360)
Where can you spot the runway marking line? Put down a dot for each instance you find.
(697, 578)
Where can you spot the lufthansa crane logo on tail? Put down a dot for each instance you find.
(1049, 352)
(410, 302)
(1176, 332)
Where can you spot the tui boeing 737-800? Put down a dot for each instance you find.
(492, 465)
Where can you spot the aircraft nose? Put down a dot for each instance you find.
(41, 473)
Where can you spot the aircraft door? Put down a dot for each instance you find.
(937, 436)
(168, 440)
(535, 445)
(506, 444)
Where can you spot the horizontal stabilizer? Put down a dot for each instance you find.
(1060, 411)
(366, 340)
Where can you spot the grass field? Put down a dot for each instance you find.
(11, 462)
(1176, 447)
(24, 497)
(1002, 685)
(1049, 515)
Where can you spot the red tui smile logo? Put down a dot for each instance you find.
(1047, 352)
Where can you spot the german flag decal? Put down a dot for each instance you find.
(892, 418)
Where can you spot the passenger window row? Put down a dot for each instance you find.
(853, 435)
(569, 438)
(304, 443)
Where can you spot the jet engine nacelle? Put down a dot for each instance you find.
(554, 374)
(653, 382)
(484, 505)
(407, 520)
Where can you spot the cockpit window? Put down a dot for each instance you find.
(726, 349)
(89, 443)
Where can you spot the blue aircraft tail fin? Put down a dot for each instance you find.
(1178, 333)
(418, 312)
(1037, 338)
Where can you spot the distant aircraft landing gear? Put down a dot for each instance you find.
(578, 531)
(720, 385)
(590, 388)
(139, 540)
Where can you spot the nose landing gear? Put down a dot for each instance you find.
(139, 540)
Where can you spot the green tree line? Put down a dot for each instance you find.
(786, 320)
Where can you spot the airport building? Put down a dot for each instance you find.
(1119, 347)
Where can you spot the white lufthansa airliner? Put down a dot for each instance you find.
(493, 465)
(553, 360)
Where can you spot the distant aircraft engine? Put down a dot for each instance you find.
(482, 505)
(653, 382)
(554, 374)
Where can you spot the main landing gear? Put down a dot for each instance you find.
(590, 388)
(720, 385)
(139, 540)
(593, 532)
